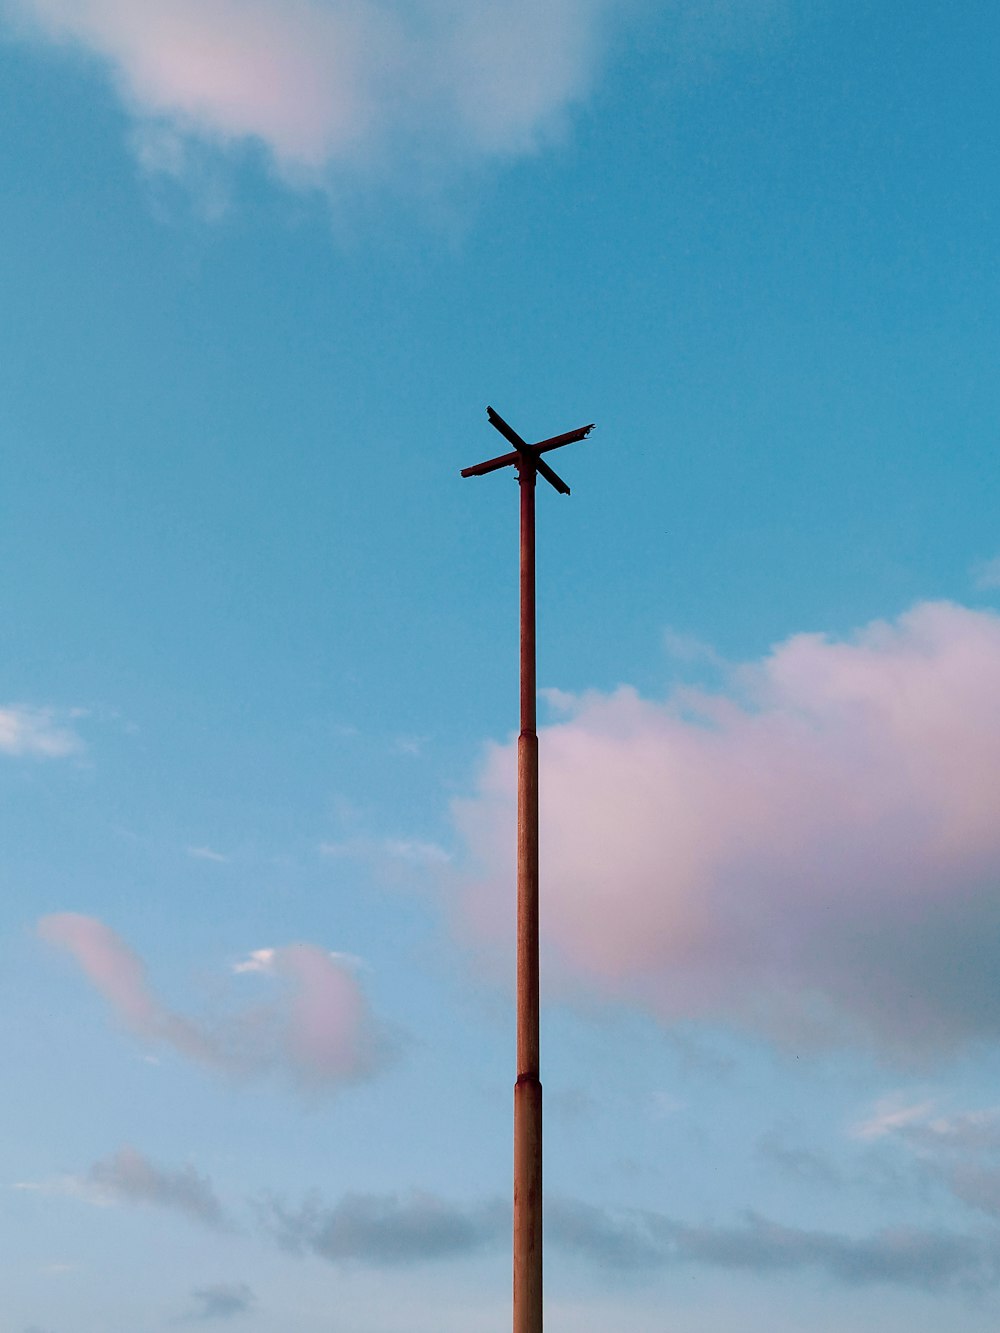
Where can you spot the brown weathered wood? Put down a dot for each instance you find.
(528, 1306)
(528, 1089)
(543, 447)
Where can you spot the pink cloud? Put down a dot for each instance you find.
(320, 1027)
(120, 976)
(328, 1027)
(324, 81)
(813, 852)
(314, 1024)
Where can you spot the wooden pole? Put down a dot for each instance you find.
(528, 1089)
(527, 458)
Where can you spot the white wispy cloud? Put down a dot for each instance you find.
(892, 1114)
(419, 853)
(346, 848)
(416, 852)
(39, 732)
(260, 960)
(959, 1150)
(411, 746)
(207, 854)
(986, 573)
(267, 962)
(688, 648)
(68, 1186)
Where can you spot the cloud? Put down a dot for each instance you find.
(268, 962)
(891, 1115)
(36, 732)
(389, 854)
(324, 84)
(315, 1025)
(380, 1231)
(260, 960)
(689, 649)
(120, 976)
(387, 1230)
(902, 1256)
(207, 854)
(812, 1168)
(409, 745)
(223, 1301)
(811, 851)
(876, 1170)
(398, 1230)
(971, 1131)
(128, 1177)
(74, 1187)
(392, 1230)
(415, 852)
(986, 574)
(921, 1125)
(623, 1240)
(960, 1151)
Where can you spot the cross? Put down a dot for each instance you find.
(527, 459)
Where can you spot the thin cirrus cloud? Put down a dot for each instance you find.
(207, 854)
(812, 852)
(315, 1027)
(322, 83)
(959, 1150)
(986, 574)
(37, 732)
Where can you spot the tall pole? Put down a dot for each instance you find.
(527, 459)
(528, 1088)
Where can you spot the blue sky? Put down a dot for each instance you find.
(263, 266)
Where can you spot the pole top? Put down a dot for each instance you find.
(527, 456)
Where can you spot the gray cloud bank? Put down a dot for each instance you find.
(394, 1230)
(397, 1230)
(386, 1230)
(931, 1260)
